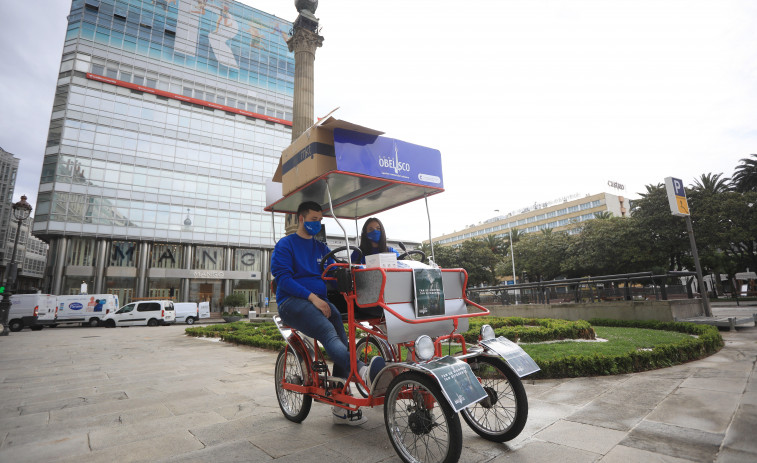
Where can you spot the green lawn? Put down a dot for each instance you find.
(619, 342)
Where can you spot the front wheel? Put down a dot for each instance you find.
(36, 327)
(502, 415)
(110, 323)
(421, 424)
(294, 405)
(367, 348)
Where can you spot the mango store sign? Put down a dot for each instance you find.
(679, 205)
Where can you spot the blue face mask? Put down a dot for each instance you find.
(374, 235)
(312, 228)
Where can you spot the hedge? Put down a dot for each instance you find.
(706, 342)
(531, 329)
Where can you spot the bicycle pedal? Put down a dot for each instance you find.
(320, 367)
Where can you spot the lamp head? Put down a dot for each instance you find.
(22, 209)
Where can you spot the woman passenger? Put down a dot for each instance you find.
(372, 241)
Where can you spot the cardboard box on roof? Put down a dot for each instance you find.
(312, 153)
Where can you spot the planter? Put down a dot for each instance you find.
(230, 319)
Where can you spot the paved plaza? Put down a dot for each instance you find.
(155, 394)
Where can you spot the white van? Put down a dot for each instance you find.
(186, 312)
(31, 310)
(204, 309)
(150, 313)
(87, 309)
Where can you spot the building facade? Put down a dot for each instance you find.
(168, 118)
(563, 215)
(31, 256)
(8, 173)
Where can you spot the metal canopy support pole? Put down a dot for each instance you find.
(336, 219)
(700, 280)
(430, 240)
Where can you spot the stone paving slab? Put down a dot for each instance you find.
(197, 400)
(595, 439)
(674, 441)
(701, 409)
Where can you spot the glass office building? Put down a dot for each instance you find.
(169, 116)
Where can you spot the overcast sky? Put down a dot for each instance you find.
(527, 100)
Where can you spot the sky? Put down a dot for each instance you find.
(527, 100)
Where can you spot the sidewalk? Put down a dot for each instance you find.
(154, 394)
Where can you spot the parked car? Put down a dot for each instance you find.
(150, 313)
(31, 310)
(87, 309)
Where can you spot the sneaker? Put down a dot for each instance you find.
(372, 370)
(348, 417)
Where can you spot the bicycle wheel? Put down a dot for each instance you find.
(501, 416)
(294, 405)
(421, 424)
(365, 349)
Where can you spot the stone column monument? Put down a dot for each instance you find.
(303, 42)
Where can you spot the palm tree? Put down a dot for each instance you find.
(711, 184)
(546, 231)
(496, 244)
(745, 177)
(603, 215)
(515, 235)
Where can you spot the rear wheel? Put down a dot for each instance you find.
(190, 320)
(152, 322)
(421, 424)
(15, 325)
(93, 322)
(294, 405)
(502, 415)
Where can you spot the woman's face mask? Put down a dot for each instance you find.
(374, 235)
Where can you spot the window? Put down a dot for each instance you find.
(126, 308)
(148, 307)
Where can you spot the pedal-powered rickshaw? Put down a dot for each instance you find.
(412, 316)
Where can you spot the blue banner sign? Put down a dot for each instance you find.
(387, 158)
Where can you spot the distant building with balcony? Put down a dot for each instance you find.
(565, 215)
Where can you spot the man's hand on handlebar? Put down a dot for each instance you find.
(320, 304)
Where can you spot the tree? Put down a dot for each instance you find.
(541, 254)
(496, 244)
(663, 234)
(445, 256)
(711, 184)
(604, 215)
(479, 261)
(745, 177)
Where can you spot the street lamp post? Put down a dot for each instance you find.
(21, 211)
(512, 252)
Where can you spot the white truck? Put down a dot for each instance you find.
(87, 309)
(31, 310)
(191, 312)
(186, 312)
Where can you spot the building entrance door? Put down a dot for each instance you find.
(159, 293)
(124, 294)
(250, 295)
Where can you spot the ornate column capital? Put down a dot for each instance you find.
(304, 40)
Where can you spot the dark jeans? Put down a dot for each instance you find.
(303, 316)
